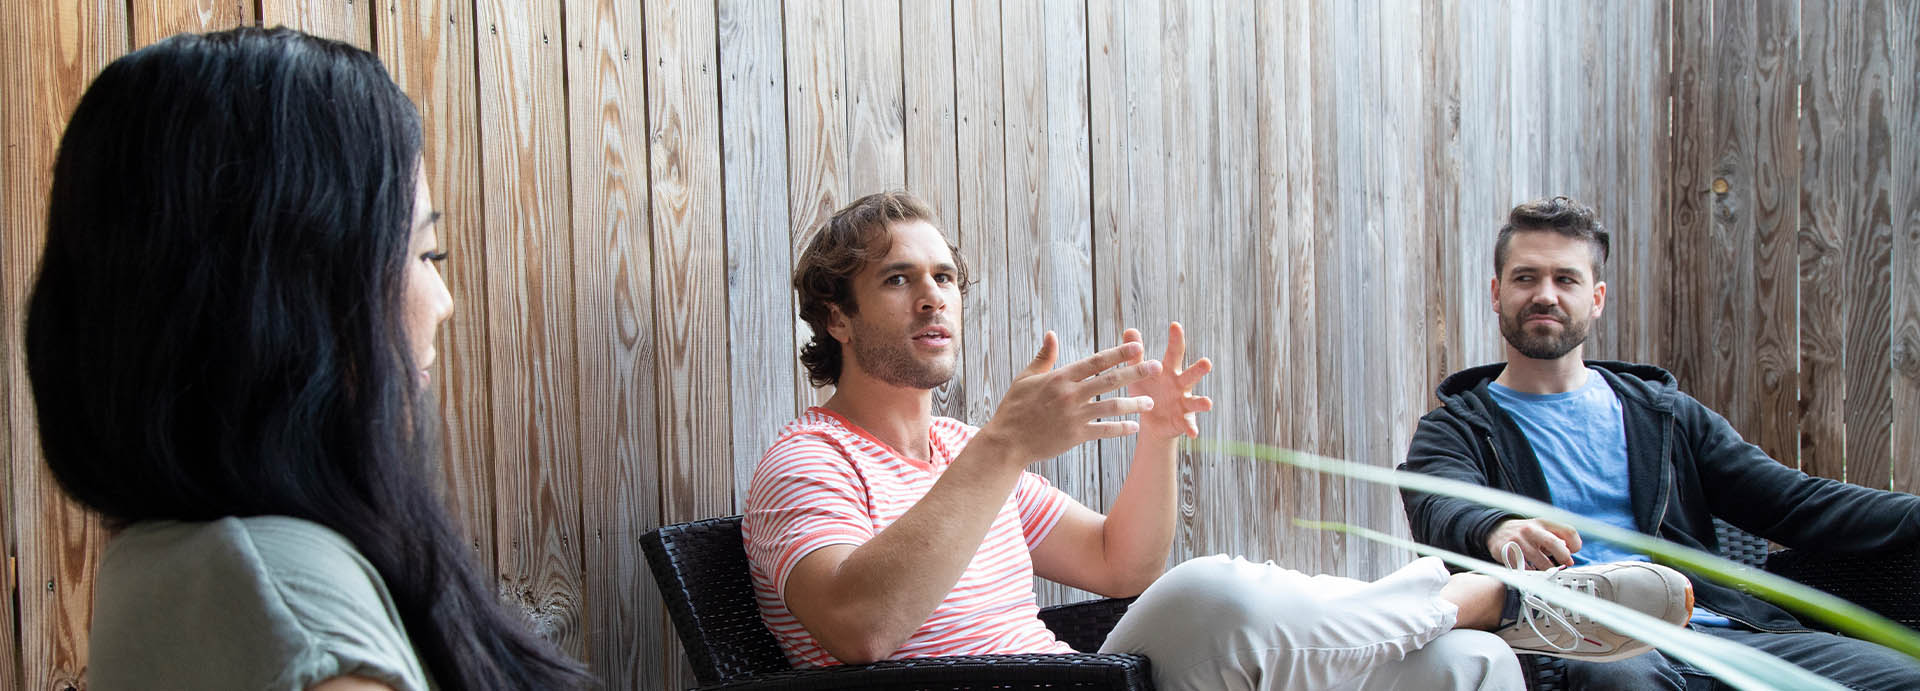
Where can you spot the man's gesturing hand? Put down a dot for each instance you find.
(1171, 388)
(1047, 411)
(1542, 544)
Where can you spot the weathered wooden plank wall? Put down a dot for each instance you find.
(1792, 229)
(1310, 187)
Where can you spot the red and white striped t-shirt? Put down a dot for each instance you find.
(827, 482)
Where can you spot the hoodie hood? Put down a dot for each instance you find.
(1652, 385)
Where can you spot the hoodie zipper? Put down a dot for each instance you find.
(1666, 476)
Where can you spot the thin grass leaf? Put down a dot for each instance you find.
(1846, 617)
(1735, 664)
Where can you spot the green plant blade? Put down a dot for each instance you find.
(1735, 664)
(1843, 616)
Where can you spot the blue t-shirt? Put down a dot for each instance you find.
(1581, 442)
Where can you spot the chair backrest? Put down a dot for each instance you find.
(1739, 545)
(701, 569)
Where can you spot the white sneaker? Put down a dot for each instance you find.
(1542, 628)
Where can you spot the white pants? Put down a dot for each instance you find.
(1221, 623)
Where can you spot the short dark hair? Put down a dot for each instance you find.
(225, 335)
(839, 249)
(1564, 215)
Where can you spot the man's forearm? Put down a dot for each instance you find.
(1139, 530)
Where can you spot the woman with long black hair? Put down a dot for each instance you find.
(228, 343)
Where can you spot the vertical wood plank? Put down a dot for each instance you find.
(760, 319)
(1269, 421)
(932, 147)
(816, 137)
(876, 120)
(1185, 116)
(689, 263)
(613, 314)
(1330, 350)
(1109, 136)
(1693, 70)
(51, 53)
(1226, 311)
(1303, 404)
(530, 305)
(1774, 418)
(152, 20)
(1402, 55)
(980, 229)
(1483, 200)
(1049, 222)
(1441, 71)
(1721, 300)
(1868, 242)
(1903, 70)
(428, 47)
(1826, 185)
(1643, 244)
(341, 20)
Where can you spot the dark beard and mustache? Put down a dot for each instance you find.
(1543, 347)
(893, 362)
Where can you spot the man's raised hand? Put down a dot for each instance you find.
(1171, 389)
(1048, 411)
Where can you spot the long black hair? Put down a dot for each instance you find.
(217, 326)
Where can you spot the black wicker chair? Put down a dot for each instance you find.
(701, 568)
(1883, 582)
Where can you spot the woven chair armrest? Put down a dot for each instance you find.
(1887, 582)
(1085, 625)
(1037, 671)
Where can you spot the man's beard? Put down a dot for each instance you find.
(893, 362)
(1542, 347)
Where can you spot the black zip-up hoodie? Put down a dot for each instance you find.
(1685, 466)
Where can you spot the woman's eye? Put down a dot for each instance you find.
(943, 278)
(435, 256)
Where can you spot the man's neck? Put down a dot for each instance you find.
(898, 417)
(1528, 375)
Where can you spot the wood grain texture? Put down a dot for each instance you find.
(428, 47)
(1304, 411)
(1903, 70)
(1187, 125)
(817, 175)
(1721, 301)
(51, 53)
(1330, 349)
(875, 88)
(613, 309)
(1049, 218)
(1108, 133)
(1826, 184)
(979, 229)
(1773, 421)
(1867, 239)
(760, 318)
(1230, 308)
(1690, 186)
(152, 20)
(932, 147)
(532, 376)
(341, 20)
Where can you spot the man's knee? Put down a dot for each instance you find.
(1465, 659)
(1209, 602)
(1226, 590)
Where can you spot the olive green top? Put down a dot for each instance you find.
(266, 602)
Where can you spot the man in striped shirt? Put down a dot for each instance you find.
(876, 530)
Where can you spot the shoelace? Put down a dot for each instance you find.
(1531, 603)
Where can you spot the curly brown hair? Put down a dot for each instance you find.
(1563, 215)
(838, 250)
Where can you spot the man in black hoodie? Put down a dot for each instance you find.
(1621, 443)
